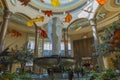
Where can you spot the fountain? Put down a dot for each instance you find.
(55, 62)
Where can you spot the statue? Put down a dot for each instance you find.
(55, 34)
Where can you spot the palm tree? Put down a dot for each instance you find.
(23, 56)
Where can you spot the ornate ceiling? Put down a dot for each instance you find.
(35, 8)
(65, 5)
(105, 15)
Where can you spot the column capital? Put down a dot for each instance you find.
(7, 14)
(4, 27)
(92, 22)
(65, 30)
(93, 19)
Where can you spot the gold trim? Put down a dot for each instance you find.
(110, 6)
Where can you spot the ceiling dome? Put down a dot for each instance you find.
(65, 5)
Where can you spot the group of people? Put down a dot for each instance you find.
(81, 72)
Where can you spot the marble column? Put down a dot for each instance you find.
(65, 39)
(35, 67)
(55, 34)
(96, 43)
(4, 28)
(37, 32)
(41, 47)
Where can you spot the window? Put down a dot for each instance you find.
(48, 49)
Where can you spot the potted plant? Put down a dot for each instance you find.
(8, 76)
(109, 74)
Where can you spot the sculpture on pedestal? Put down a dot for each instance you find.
(55, 34)
(55, 62)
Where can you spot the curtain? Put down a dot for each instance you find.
(83, 50)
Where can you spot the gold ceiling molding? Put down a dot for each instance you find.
(103, 13)
(101, 24)
(82, 22)
(23, 16)
(112, 6)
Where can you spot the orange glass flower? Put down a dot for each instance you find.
(68, 18)
(101, 2)
(48, 13)
(43, 34)
(42, 1)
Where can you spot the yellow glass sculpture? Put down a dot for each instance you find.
(30, 23)
(55, 3)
